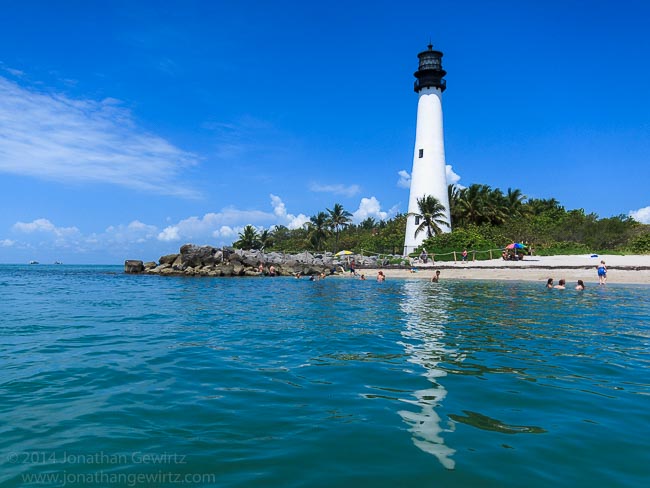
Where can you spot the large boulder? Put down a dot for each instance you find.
(304, 257)
(133, 266)
(197, 256)
(168, 259)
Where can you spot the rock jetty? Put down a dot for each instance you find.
(195, 260)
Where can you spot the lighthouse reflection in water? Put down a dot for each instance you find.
(425, 310)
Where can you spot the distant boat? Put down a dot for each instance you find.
(58, 262)
(33, 262)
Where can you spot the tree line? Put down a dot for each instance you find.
(482, 218)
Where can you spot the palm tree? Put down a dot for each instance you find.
(248, 239)
(318, 227)
(514, 201)
(368, 224)
(472, 203)
(432, 215)
(338, 219)
(541, 206)
(266, 239)
(454, 194)
(496, 208)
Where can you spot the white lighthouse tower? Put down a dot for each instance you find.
(428, 176)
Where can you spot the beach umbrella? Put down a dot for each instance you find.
(343, 253)
(515, 245)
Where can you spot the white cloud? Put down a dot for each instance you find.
(204, 228)
(15, 72)
(215, 228)
(290, 220)
(370, 207)
(404, 179)
(338, 189)
(44, 226)
(226, 231)
(298, 221)
(136, 232)
(55, 137)
(641, 215)
(170, 233)
(452, 178)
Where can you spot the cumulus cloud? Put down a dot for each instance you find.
(44, 226)
(54, 137)
(370, 207)
(404, 180)
(641, 215)
(337, 189)
(226, 231)
(290, 220)
(136, 232)
(216, 228)
(194, 228)
(452, 177)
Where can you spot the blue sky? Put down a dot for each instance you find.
(130, 128)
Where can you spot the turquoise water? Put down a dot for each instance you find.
(109, 377)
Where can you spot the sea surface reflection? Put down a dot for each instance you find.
(425, 308)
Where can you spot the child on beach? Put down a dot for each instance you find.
(602, 273)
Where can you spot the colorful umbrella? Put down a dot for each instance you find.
(343, 253)
(515, 245)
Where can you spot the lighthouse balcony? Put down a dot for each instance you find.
(426, 83)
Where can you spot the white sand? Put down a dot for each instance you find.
(620, 269)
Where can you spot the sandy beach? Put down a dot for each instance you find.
(630, 269)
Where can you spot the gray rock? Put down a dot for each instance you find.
(168, 259)
(133, 266)
(197, 255)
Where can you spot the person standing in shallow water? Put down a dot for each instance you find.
(549, 283)
(436, 277)
(602, 273)
(561, 285)
(580, 286)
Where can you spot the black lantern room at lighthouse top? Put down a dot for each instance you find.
(430, 72)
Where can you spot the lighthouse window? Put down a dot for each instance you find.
(417, 220)
(421, 153)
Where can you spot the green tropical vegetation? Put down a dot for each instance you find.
(483, 218)
(431, 214)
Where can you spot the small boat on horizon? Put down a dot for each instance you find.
(58, 262)
(33, 262)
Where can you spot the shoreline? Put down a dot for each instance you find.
(629, 269)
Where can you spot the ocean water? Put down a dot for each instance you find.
(109, 379)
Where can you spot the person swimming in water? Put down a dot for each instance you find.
(549, 283)
(580, 286)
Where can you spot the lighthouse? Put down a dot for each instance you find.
(428, 176)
